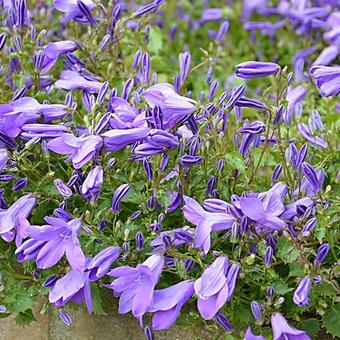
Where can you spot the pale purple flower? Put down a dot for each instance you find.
(102, 262)
(53, 50)
(80, 149)
(71, 8)
(184, 64)
(222, 31)
(294, 97)
(266, 209)
(162, 138)
(55, 239)
(294, 209)
(167, 303)
(215, 287)
(135, 286)
(70, 80)
(211, 14)
(44, 131)
(314, 140)
(73, 286)
(12, 217)
(205, 222)
(255, 69)
(174, 106)
(281, 329)
(93, 181)
(115, 140)
(250, 336)
(327, 79)
(327, 56)
(25, 111)
(63, 189)
(301, 293)
(124, 116)
(3, 158)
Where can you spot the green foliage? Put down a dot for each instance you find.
(331, 321)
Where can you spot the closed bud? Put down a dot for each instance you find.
(256, 309)
(139, 241)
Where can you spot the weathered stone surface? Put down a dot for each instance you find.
(92, 327)
(37, 330)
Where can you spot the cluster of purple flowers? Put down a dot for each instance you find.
(169, 137)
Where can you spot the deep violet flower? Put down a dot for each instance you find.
(253, 128)
(321, 253)
(301, 293)
(65, 317)
(102, 262)
(57, 238)
(205, 222)
(215, 287)
(223, 321)
(174, 106)
(135, 286)
(312, 176)
(167, 303)
(119, 194)
(327, 79)
(282, 330)
(80, 149)
(255, 69)
(70, 80)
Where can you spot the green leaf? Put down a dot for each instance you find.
(281, 288)
(97, 301)
(236, 161)
(311, 326)
(243, 313)
(325, 289)
(286, 250)
(19, 302)
(296, 269)
(331, 321)
(155, 44)
(25, 318)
